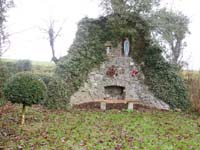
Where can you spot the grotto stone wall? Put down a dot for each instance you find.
(117, 71)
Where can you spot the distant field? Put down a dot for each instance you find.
(38, 66)
(97, 130)
(41, 63)
(43, 67)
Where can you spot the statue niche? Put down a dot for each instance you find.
(125, 47)
(108, 48)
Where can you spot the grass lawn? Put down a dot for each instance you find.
(95, 130)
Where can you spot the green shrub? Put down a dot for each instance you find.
(4, 75)
(11, 66)
(23, 65)
(2, 101)
(56, 93)
(164, 80)
(26, 89)
(46, 78)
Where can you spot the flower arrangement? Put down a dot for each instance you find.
(112, 71)
(134, 72)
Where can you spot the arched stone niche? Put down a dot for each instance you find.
(114, 92)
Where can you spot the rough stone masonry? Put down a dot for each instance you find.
(117, 78)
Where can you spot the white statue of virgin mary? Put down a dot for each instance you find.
(126, 47)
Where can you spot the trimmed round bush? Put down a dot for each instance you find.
(26, 89)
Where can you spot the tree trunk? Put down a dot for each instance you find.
(23, 114)
(52, 38)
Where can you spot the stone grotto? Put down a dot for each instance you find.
(118, 78)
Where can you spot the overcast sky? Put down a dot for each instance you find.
(27, 19)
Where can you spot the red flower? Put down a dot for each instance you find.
(134, 72)
(112, 71)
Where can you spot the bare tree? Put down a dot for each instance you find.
(4, 41)
(52, 36)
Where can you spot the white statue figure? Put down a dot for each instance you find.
(126, 47)
(108, 48)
